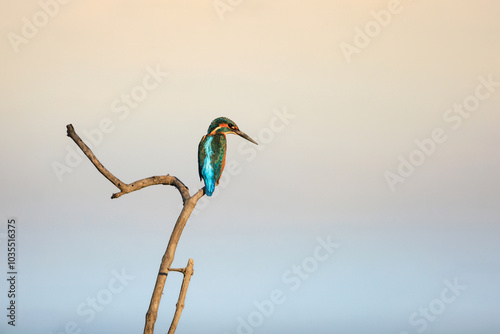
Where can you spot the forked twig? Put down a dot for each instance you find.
(188, 272)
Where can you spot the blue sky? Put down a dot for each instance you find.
(370, 204)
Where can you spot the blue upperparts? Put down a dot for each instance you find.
(207, 170)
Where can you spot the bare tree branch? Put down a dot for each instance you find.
(188, 272)
(124, 187)
(168, 257)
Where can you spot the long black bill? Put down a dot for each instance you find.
(244, 135)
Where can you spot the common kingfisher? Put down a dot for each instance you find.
(212, 151)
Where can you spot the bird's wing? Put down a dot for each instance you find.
(219, 149)
(201, 156)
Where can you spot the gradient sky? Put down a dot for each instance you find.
(331, 126)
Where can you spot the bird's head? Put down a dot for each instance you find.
(224, 125)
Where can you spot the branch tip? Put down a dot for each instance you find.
(69, 129)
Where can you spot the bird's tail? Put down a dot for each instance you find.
(209, 187)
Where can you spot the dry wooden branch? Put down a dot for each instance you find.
(168, 257)
(124, 187)
(188, 272)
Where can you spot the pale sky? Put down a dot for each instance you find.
(377, 124)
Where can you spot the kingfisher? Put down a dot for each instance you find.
(212, 151)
